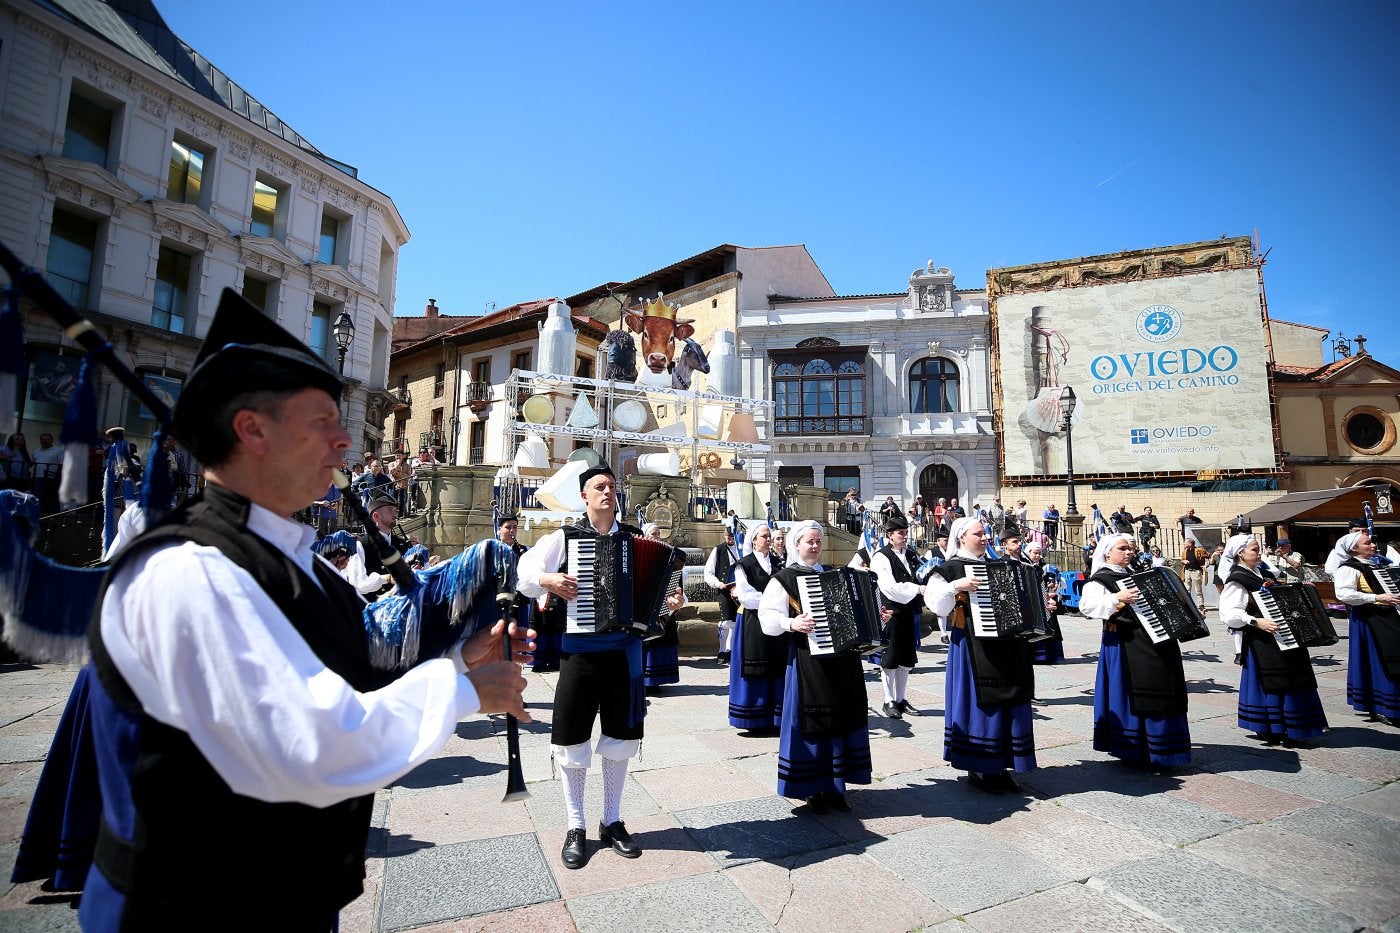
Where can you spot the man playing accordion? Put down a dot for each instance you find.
(600, 672)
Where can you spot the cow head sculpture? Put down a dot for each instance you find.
(660, 328)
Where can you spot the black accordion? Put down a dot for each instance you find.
(623, 582)
(846, 607)
(1009, 601)
(1166, 608)
(1302, 618)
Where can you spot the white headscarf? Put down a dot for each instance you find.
(1105, 545)
(1233, 547)
(648, 528)
(1342, 552)
(794, 533)
(955, 531)
(748, 539)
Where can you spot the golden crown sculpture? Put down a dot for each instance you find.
(658, 308)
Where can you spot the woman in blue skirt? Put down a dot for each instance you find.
(1278, 692)
(824, 744)
(1373, 665)
(756, 678)
(1140, 694)
(988, 730)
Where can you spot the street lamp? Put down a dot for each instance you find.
(344, 332)
(1067, 403)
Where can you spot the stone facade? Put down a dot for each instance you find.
(890, 447)
(121, 196)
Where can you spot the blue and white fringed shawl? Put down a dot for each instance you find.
(453, 600)
(46, 605)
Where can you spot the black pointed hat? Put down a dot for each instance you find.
(244, 351)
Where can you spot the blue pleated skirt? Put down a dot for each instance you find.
(1369, 688)
(60, 834)
(754, 702)
(1296, 715)
(1161, 740)
(982, 738)
(810, 765)
(661, 664)
(1048, 651)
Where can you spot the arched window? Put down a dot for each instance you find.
(937, 481)
(933, 386)
(819, 394)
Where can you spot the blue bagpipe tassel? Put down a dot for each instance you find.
(157, 486)
(46, 605)
(79, 436)
(12, 364)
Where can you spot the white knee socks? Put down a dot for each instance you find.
(574, 780)
(614, 777)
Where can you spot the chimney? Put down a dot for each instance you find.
(431, 311)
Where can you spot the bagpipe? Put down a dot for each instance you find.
(47, 606)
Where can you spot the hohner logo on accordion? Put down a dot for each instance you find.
(1166, 608)
(845, 607)
(622, 582)
(1009, 601)
(1299, 612)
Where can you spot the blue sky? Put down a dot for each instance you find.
(541, 149)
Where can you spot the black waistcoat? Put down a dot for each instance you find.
(1383, 621)
(1279, 671)
(552, 619)
(830, 687)
(724, 572)
(195, 839)
(763, 655)
(1002, 669)
(901, 648)
(367, 541)
(1156, 679)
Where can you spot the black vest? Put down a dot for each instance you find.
(194, 837)
(724, 572)
(367, 541)
(763, 655)
(552, 619)
(1156, 680)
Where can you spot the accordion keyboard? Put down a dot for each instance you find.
(581, 616)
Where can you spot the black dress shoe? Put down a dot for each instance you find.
(838, 801)
(616, 835)
(907, 708)
(818, 804)
(575, 852)
(984, 782)
(891, 711)
(1009, 783)
(722, 659)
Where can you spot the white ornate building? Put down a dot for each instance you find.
(886, 393)
(143, 181)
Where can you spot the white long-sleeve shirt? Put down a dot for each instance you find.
(773, 612)
(940, 596)
(1235, 605)
(744, 593)
(364, 582)
(891, 589)
(207, 651)
(1097, 601)
(1347, 582)
(710, 576)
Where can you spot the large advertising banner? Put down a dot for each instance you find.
(1169, 376)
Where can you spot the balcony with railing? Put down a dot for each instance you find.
(479, 396)
(476, 456)
(842, 424)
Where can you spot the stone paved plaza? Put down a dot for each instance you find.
(1247, 838)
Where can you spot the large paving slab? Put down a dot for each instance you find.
(432, 884)
(1069, 908)
(767, 828)
(701, 903)
(1188, 892)
(964, 868)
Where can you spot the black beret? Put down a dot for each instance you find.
(588, 474)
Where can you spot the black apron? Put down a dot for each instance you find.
(1156, 680)
(762, 656)
(1383, 621)
(1002, 672)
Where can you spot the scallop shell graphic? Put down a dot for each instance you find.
(1045, 414)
